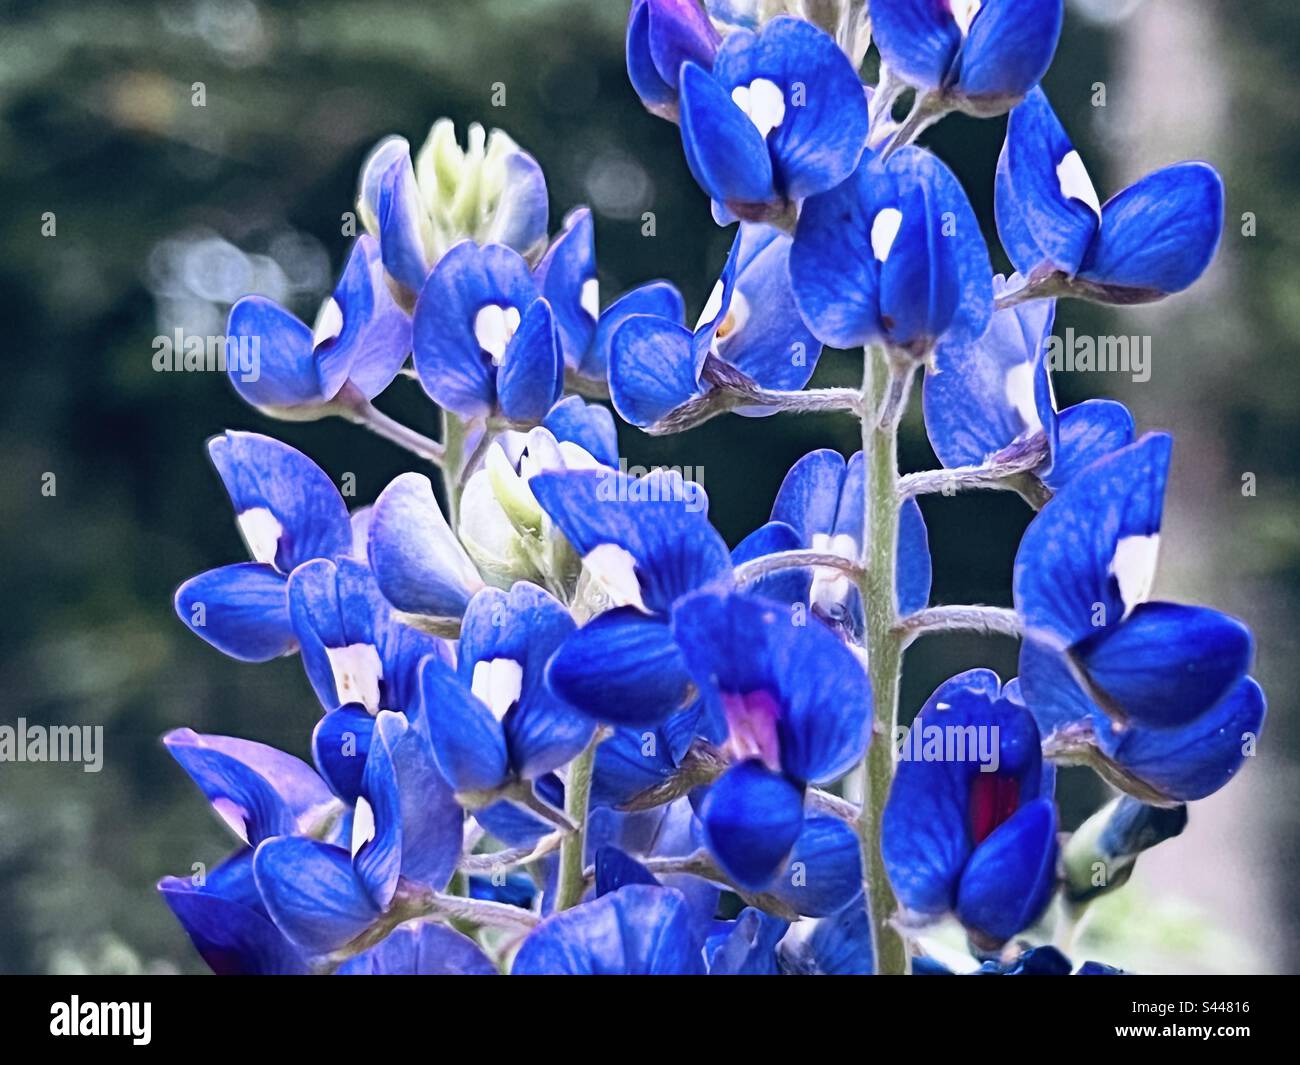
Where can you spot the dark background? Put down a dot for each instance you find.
(165, 212)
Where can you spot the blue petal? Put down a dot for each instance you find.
(227, 924)
(531, 377)
(562, 275)
(660, 520)
(785, 586)
(653, 368)
(914, 570)
(748, 945)
(659, 299)
(615, 868)
(285, 369)
(468, 742)
(526, 626)
(809, 497)
(656, 93)
(307, 516)
(1038, 223)
(388, 183)
(739, 645)
(1011, 875)
(1088, 432)
(312, 893)
(723, 148)
(1159, 235)
(333, 606)
(634, 759)
(523, 208)
(841, 944)
(635, 931)
(824, 872)
(242, 610)
(752, 818)
(662, 35)
(918, 40)
(416, 558)
(421, 949)
(1166, 664)
(1009, 48)
(1064, 566)
(339, 745)
(622, 668)
(257, 790)
(375, 336)
(824, 129)
(588, 425)
(454, 369)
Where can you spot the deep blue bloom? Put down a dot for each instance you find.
(289, 512)
(645, 543)
(361, 338)
(634, 759)
(354, 648)
(781, 116)
(589, 425)
(485, 340)
(981, 57)
(1154, 238)
(224, 917)
(418, 211)
(894, 255)
(746, 946)
(970, 827)
(567, 278)
(750, 323)
(821, 499)
(661, 36)
(797, 705)
(987, 398)
(1083, 578)
(493, 717)
(420, 566)
(423, 949)
(637, 930)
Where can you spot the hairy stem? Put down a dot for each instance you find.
(884, 390)
(577, 794)
(983, 620)
(360, 411)
(758, 568)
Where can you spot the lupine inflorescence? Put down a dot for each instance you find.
(565, 728)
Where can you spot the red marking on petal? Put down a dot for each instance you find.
(993, 799)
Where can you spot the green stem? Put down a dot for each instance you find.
(453, 448)
(884, 389)
(577, 793)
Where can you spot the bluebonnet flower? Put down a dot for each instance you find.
(638, 930)
(491, 191)
(781, 116)
(645, 543)
(1154, 695)
(1112, 839)
(1083, 578)
(661, 36)
(421, 949)
(567, 278)
(894, 255)
(224, 917)
(420, 566)
(746, 946)
(797, 705)
(979, 56)
(1154, 238)
(821, 501)
(358, 344)
(987, 400)
(485, 339)
(493, 718)
(749, 330)
(289, 512)
(967, 834)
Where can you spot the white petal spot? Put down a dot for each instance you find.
(884, 231)
(712, 306)
(614, 569)
(357, 671)
(737, 316)
(497, 683)
(1020, 394)
(233, 815)
(261, 532)
(494, 325)
(363, 825)
(591, 297)
(1134, 568)
(831, 588)
(764, 103)
(1075, 183)
(964, 12)
(329, 322)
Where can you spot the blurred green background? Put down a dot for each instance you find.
(166, 212)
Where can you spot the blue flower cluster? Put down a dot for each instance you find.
(558, 712)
